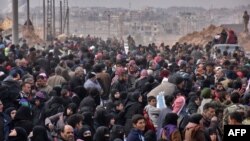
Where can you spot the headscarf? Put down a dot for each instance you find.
(102, 134)
(21, 135)
(85, 128)
(39, 134)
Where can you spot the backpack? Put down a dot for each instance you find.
(52, 107)
(183, 119)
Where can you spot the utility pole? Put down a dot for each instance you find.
(61, 18)
(15, 22)
(54, 18)
(67, 20)
(121, 24)
(49, 21)
(28, 14)
(109, 22)
(44, 21)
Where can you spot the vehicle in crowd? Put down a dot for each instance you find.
(218, 49)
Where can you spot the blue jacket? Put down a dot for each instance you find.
(6, 123)
(135, 135)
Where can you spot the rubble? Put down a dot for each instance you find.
(6, 24)
(30, 36)
(207, 34)
(201, 38)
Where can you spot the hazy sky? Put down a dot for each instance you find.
(138, 4)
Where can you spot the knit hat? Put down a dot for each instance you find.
(206, 93)
(40, 95)
(195, 118)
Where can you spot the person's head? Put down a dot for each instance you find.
(209, 111)
(169, 100)
(118, 105)
(195, 118)
(102, 134)
(152, 101)
(18, 134)
(41, 80)
(122, 74)
(219, 73)
(79, 72)
(65, 93)
(26, 87)
(219, 87)
(67, 133)
(85, 133)
(179, 82)
(115, 94)
(11, 112)
(29, 80)
(39, 134)
(206, 93)
(235, 118)
(70, 109)
(40, 98)
(235, 97)
(195, 99)
(139, 122)
(209, 67)
(170, 118)
(92, 76)
(58, 71)
(135, 96)
(75, 121)
(117, 131)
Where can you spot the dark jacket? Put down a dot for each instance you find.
(132, 107)
(4, 126)
(135, 135)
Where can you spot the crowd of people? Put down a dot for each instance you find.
(89, 89)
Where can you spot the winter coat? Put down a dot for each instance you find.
(5, 129)
(135, 135)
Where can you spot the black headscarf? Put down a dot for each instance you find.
(100, 134)
(21, 135)
(23, 113)
(9, 110)
(117, 131)
(82, 131)
(100, 117)
(39, 134)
